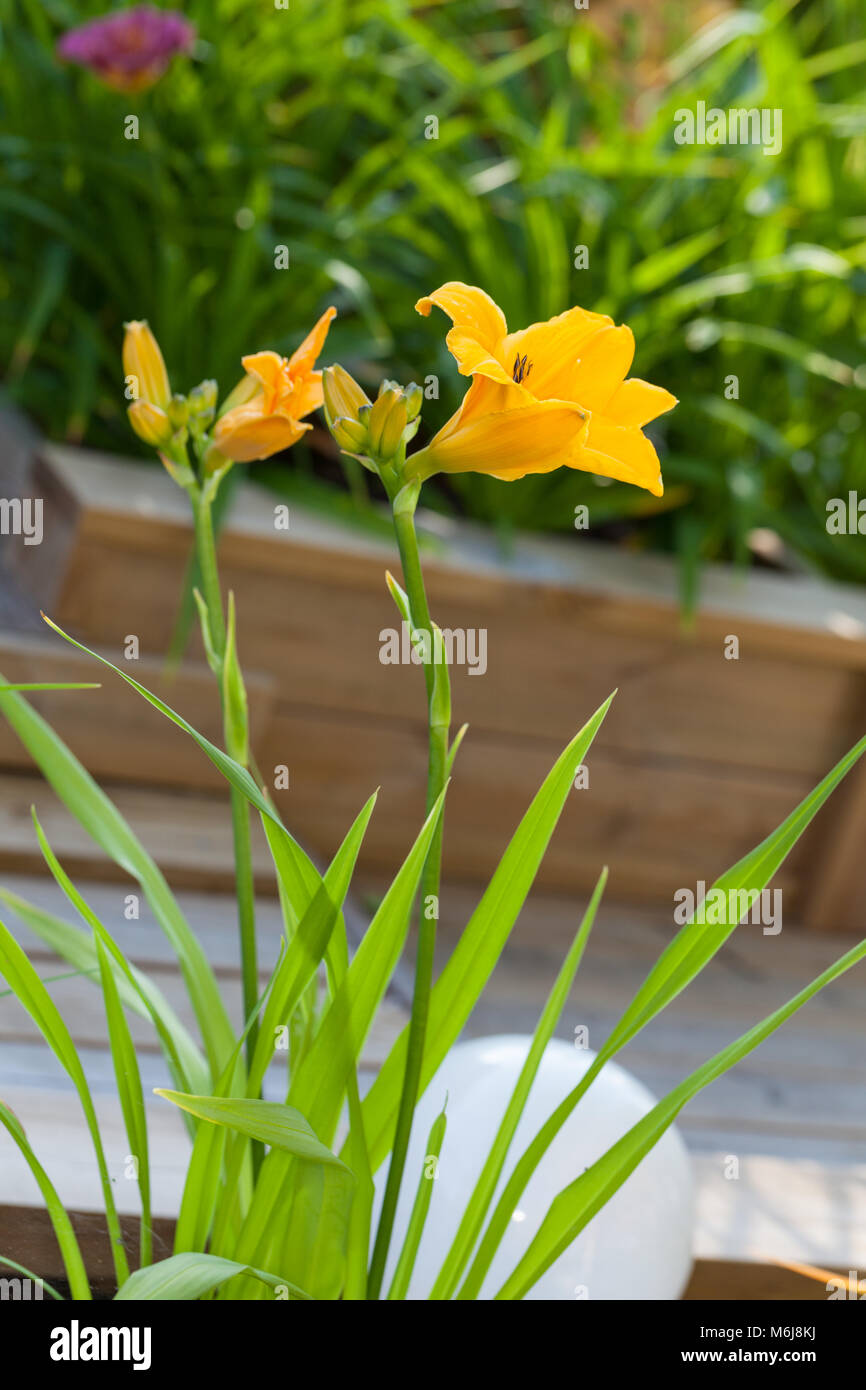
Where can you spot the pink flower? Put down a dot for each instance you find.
(129, 49)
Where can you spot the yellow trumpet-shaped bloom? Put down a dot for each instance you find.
(551, 395)
(264, 413)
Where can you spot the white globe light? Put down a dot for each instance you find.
(639, 1244)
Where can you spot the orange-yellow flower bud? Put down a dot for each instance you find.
(342, 395)
(150, 423)
(143, 365)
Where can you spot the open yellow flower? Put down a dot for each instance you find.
(265, 411)
(548, 396)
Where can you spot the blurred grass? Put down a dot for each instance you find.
(306, 128)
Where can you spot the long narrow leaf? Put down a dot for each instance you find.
(236, 775)
(690, 951)
(186, 1277)
(319, 1085)
(104, 823)
(576, 1205)
(482, 1194)
(420, 1207)
(471, 963)
(73, 1262)
(129, 1092)
(280, 1126)
(34, 1278)
(137, 991)
(217, 1166)
(123, 1055)
(35, 999)
(307, 946)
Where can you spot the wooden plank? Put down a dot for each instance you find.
(543, 618)
(189, 835)
(28, 1231)
(748, 978)
(658, 829)
(835, 897)
(658, 826)
(213, 917)
(627, 940)
(676, 699)
(787, 1209)
(752, 1281)
(52, 1121)
(114, 492)
(113, 730)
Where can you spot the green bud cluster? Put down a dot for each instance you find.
(202, 404)
(376, 432)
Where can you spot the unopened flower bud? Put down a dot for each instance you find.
(378, 416)
(350, 435)
(202, 403)
(392, 433)
(150, 423)
(343, 397)
(414, 397)
(178, 411)
(143, 365)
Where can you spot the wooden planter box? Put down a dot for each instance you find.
(26, 1234)
(699, 758)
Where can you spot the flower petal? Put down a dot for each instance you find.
(621, 452)
(551, 350)
(244, 434)
(479, 327)
(307, 396)
(486, 397)
(601, 366)
(270, 369)
(531, 438)
(472, 358)
(304, 357)
(636, 402)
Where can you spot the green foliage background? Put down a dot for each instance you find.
(306, 128)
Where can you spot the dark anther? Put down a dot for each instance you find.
(520, 369)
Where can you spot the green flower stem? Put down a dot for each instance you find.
(202, 501)
(205, 545)
(246, 913)
(403, 508)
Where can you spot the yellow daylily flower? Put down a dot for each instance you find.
(548, 396)
(265, 411)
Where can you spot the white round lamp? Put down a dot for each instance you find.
(637, 1247)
